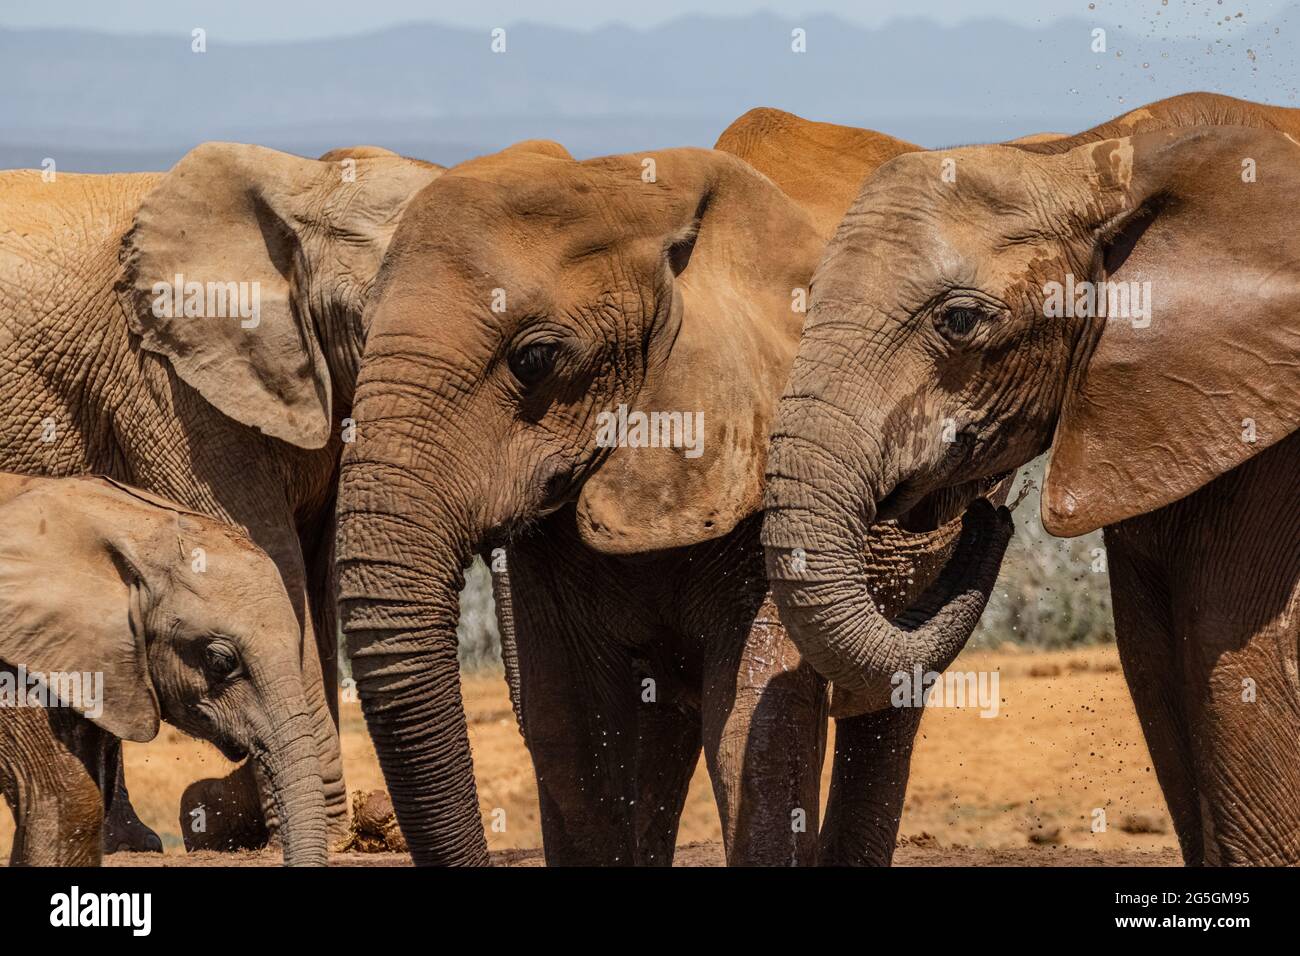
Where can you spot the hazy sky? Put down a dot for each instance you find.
(254, 20)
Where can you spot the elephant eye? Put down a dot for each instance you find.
(532, 363)
(959, 321)
(221, 660)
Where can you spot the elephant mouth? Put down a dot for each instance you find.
(921, 513)
(232, 750)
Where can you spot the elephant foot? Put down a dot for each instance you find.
(223, 814)
(124, 832)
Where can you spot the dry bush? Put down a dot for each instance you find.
(1052, 592)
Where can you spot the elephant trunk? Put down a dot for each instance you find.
(401, 550)
(820, 506)
(286, 755)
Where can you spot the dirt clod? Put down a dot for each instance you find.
(923, 840)
(374, 826)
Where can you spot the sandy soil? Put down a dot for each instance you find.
(704, 854)
(1020, 788)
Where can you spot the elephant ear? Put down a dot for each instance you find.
(72, 606)
(741, 255)
(1206, 215)
(241, 254)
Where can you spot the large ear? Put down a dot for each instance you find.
(241, 256)
(741, 259)
(1206, 216)
(72, 606)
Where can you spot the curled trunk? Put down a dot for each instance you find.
(819, 511)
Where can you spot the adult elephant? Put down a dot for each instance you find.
(527, 298)
(821, 166)
(942, 349)
(196, 334)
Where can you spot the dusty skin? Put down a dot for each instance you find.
(1016, 789)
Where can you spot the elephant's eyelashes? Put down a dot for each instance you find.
(532, 363)
(959, 321)
(221, 660)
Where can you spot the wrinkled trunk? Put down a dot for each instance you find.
(400, 554)
(318, 690)
(286, 755)
(329, 758)
(819, 511)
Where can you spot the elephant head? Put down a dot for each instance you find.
(183, 617)
(529, 305)
(1124, 300)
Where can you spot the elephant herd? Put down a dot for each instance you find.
(733, 428)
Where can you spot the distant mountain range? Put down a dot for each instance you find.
(97, 102)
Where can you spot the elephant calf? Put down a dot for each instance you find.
(118, 609)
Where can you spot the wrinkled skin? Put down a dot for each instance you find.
(630, 667)
(930, 361)
(99, 578)
(464, 446)
(243, 425)
(821, 166)
(623, 567)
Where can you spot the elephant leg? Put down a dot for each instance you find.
(1149, 656)
(764, 738)
(1243, 715)
(52, 782)
(1236, 606)
(123, 830)
(667, 750)
(587, 817)
(612, 768)
(873, 756)
(1228, 560)
(609, 705)
(323, 601)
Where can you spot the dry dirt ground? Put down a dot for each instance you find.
(1021, 788)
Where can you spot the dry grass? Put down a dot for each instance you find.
(1065, 743)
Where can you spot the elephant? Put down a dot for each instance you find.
(119, 609)
(108, 363)
(821, 166)
(940, 351)
(528, 308)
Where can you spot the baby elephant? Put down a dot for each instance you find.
(118, 609)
